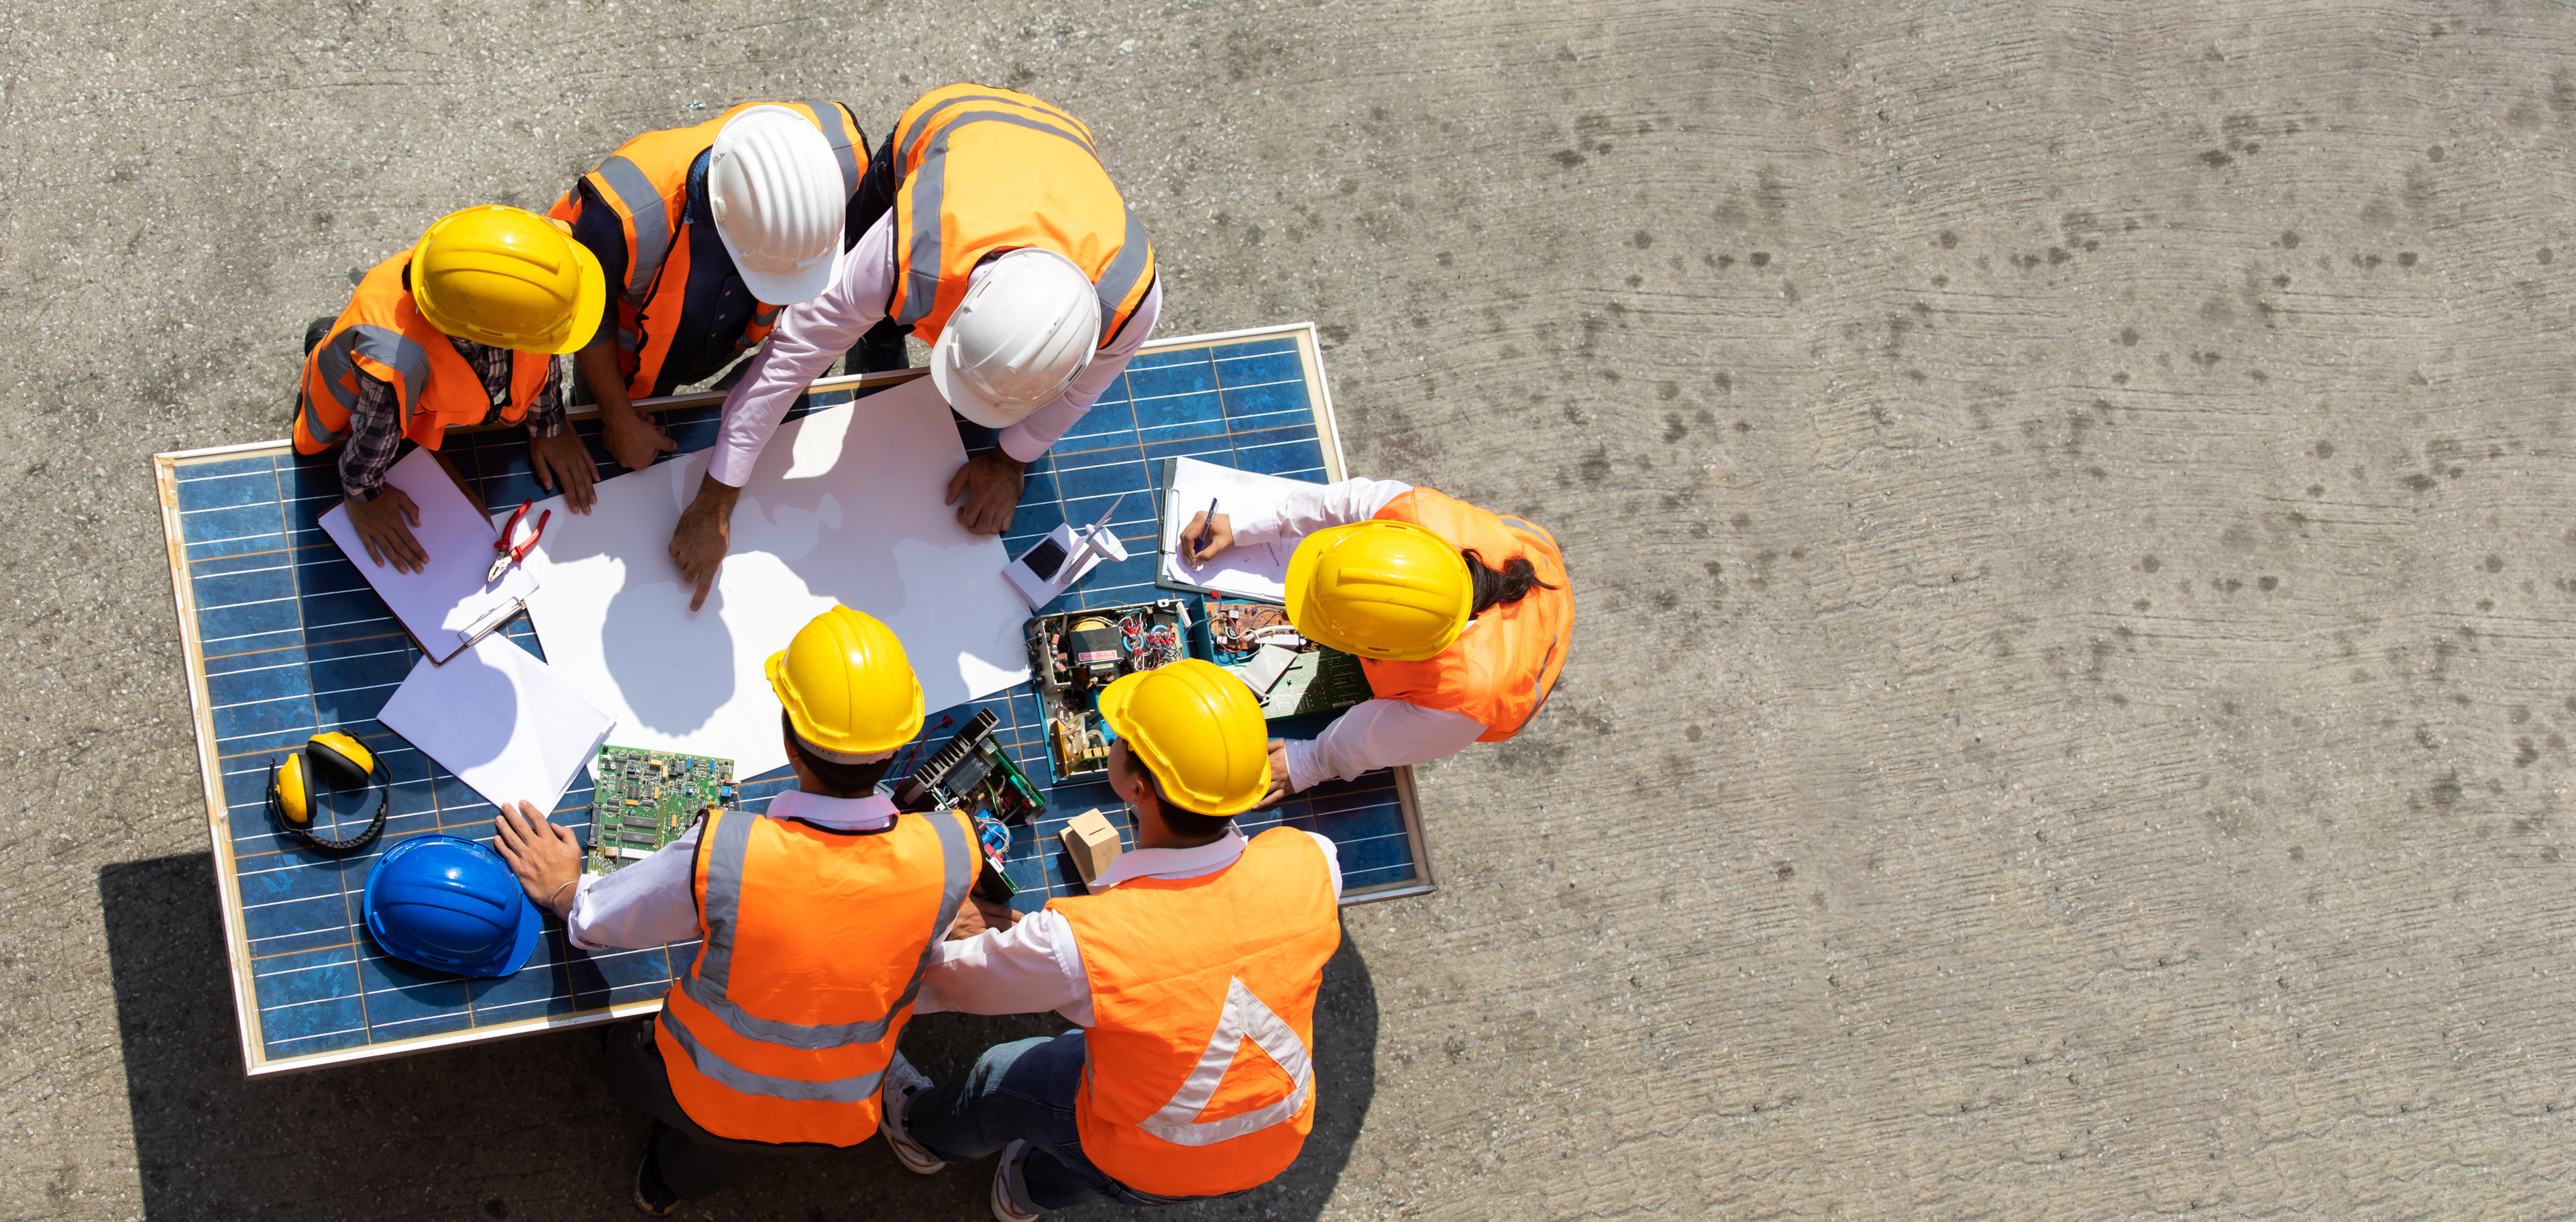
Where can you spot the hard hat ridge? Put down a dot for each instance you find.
(779, 202)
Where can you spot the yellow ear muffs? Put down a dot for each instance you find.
(341, 761)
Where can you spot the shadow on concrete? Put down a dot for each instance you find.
(522, 1128)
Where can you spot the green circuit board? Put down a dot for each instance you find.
(642, 800)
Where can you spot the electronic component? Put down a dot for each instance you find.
(1250, 639)
(1074, 654)
(642, 800)
(974, 774)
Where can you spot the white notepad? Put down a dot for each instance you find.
(446, 606)
(1257, 570)
(505, 723)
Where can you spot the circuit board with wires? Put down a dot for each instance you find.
(1293, 675)
(642, 800)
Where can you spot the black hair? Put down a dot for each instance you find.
(1184, 822)
(838, 780)
(1503, 587)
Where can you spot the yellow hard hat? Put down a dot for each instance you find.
(508, 278)
(1388, 590)
(1199, 729)
(849, 691)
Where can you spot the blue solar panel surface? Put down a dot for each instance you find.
(294, 642)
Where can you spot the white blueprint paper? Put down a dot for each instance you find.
(819, 522)
(505, 723)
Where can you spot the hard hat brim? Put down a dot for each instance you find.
(961, 398)
(589, 300)
(506, 962)
(779, 290)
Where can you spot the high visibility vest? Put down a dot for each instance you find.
(383, 336)
(1502, 668)
(1199, 1080)
(988, 170)
(646, 183)
(815, 941)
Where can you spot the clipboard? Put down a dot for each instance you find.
(447, 606)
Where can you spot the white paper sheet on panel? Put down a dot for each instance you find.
(505, 723)
(844, 506)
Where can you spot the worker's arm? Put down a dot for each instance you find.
(1030, 968)
(1372, 734)
(632, 438)
(1297, 515)
(382, 514)
(645, 904)
(556, 454)
(809, 337)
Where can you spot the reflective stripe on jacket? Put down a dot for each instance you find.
(383, 336)
(1502, 668)
(988, 170)
(1184, 973)
(645, 182)
(814, 946)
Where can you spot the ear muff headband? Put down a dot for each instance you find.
(297, 795)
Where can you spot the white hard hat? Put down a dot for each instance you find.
(776, 191)
(1024, 331)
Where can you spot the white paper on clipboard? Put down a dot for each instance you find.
(1253, 570)
(446, 606)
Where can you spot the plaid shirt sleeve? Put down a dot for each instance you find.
(546, 411)
(375, 432)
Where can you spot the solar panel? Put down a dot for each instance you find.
(284, 639)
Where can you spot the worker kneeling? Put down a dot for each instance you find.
(1192, 968)
(816, 919)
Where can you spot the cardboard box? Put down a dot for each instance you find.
(1093, 841)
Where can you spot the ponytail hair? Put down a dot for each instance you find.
(1503, 587)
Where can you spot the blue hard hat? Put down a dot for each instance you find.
(450, 904)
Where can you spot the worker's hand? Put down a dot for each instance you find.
(1220, 532)
(633, 438)
(545, 856)
(978, 916)
(990, 482)
(705, 533)
(1279, 788)
(384, 525)
(563, 457)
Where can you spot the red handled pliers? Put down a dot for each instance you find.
(512, 553)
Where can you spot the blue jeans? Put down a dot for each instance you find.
(1021, 1091)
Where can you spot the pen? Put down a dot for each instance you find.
(1207, 527)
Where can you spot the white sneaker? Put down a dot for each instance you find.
(1006, 1199)
(900, 1083)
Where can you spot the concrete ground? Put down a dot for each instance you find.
(2067, 501)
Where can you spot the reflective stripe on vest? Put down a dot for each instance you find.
(806, 924)
(1183, 973)
(1245, 1015)
(645, 183)
(945, 224)
(381, 335)
(1504, 667)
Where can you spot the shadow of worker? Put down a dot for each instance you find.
(366, 1140)
(1345, 1061)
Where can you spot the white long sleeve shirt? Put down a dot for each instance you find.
(1036, 965)
(650, 902)
(1372, 733)
(811, 334)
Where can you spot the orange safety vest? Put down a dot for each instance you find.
(815, 941)
(646, 183)
(1198, 1080)
(1502, 668)
(382, 335)
(988, 170)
